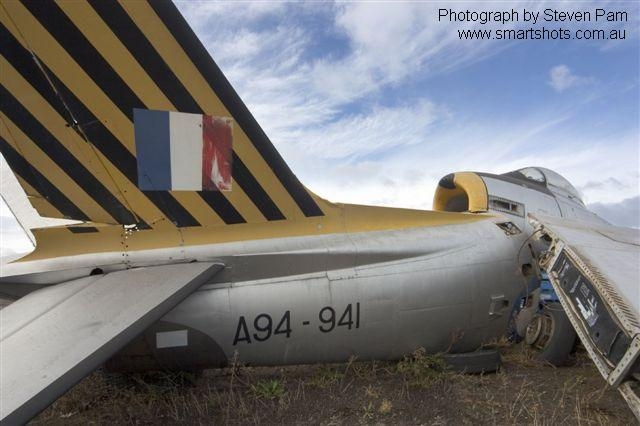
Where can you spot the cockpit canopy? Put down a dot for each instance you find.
(550, 179)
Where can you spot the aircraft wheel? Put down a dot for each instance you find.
(551, 334)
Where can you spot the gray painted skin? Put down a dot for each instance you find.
(444, 288)
(447, 288)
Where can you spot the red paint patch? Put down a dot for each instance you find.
(217, 153)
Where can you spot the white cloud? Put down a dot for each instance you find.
(278, 68)
(387, 154)
(324, 109)
(206, 14)
(561, 78)
(293, 87)
(407, 175)
(13, 239)
(391, 43)
(624, 213)
(356, 136)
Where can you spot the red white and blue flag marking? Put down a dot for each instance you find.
(177, 151)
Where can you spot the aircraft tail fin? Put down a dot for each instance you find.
(114, 112)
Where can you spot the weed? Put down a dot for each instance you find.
(420, 368)
(326, 376)
(268, 389)
(372, 370)
(385, 407)
(372, 392)
(368, 412)
(235, 370)
(498, 343)
(360, 392)
(335, 420)
(520, 355)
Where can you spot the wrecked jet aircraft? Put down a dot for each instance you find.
(197, 241)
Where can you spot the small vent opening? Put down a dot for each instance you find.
(506, 206)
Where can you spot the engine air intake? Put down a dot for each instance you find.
(461, 192)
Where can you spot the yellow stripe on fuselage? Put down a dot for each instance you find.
(346, 219)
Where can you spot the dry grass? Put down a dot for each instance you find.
(416, 390)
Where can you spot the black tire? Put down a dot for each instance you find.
(483, 361)
(557, 343)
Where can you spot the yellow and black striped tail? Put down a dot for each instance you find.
(72, 73)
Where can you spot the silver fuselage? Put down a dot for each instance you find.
(326, 298)
(372, 295)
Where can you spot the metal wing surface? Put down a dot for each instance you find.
(52, 338)
(595, 269)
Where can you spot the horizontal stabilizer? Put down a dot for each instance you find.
(52, 338)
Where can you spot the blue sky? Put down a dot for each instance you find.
(373, 102)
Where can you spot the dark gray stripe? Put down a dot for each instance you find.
(93, 128)
(82, 229)
(82, 51)
(30, 126)
(222, 206)
(252, 188)
(85, 54)
(136, 42)
(192, 46)
(40, 183)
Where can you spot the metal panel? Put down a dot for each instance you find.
(434, 287)
(53, 338)
(610, 257)
(595, 270)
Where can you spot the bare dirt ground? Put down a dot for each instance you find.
(415, 391)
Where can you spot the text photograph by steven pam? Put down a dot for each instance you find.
(564, 21)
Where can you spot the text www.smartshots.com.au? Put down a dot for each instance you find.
(549, 16)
